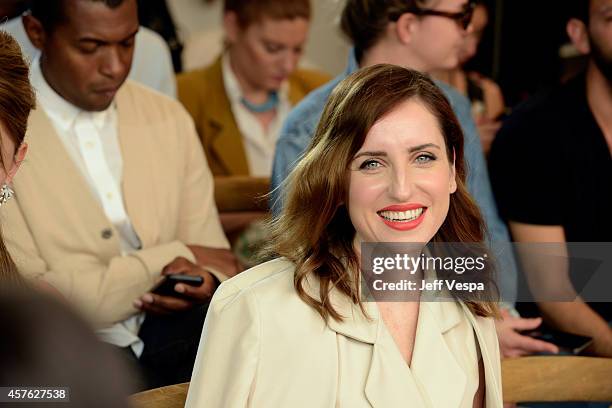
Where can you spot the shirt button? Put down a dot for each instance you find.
(89, 145)
(107, 233)
(109, 196)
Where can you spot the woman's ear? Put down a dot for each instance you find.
(19, 158)
(231, 26)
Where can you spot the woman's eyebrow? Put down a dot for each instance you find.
(411, 150)
(379, 153)
(424, 146)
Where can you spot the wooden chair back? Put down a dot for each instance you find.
(241, 193)
(525, 379)
(557, 378)
(172, 396)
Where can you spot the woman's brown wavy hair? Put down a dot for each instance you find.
(16, 102)
(314, 230)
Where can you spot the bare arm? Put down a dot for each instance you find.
(576, 317)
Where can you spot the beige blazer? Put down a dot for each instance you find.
(56, 230)
(262, 346)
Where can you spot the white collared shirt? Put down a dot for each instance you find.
(258, 143)
(92, 141)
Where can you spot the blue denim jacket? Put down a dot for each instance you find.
(300, 126)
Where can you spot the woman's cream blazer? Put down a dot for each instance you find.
(262, 346)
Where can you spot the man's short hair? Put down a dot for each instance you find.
(250, 11)
(51, 13)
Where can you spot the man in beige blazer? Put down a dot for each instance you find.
(116, 190)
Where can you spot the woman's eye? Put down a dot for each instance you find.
(369, 165)
(425, 158)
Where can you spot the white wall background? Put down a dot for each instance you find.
(327, 49)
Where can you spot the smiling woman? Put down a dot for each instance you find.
(398, 137)
(405, 180)
(386, 164)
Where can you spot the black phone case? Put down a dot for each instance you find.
(166, 286)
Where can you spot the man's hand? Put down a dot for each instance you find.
(222, 260)
(151, 302)
(514, 344)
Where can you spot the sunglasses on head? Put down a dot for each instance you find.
(463, 18)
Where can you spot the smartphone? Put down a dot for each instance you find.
(166, 286)
(567, 342)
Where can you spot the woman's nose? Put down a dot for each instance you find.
(401, 186)
(289, 62)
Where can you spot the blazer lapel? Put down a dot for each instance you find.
(225, 141)
(54, 169)
(492, 367)
(295, 94)
(389, 381)
(138, 178)
(433, 369)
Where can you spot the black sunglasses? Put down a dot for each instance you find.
(463, 18)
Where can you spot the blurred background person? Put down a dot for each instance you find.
(154, 14)
(484, 94)
(16, 101)
(240, 102)
(563, 193)
(45, 344)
